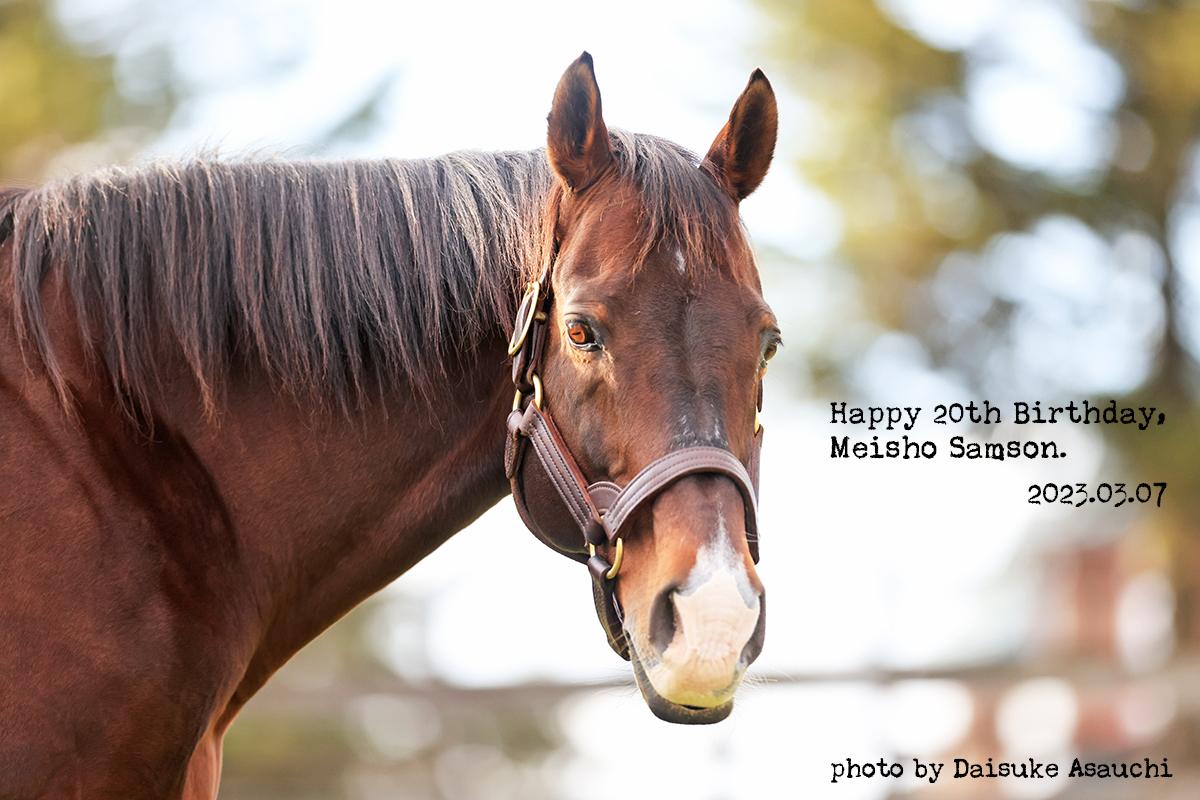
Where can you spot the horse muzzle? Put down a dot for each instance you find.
(692, 640)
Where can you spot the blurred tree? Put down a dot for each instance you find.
(63, 85)
(51, 93)
(933, 131)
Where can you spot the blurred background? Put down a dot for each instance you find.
(972, 200)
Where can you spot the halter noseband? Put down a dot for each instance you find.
(556, 501)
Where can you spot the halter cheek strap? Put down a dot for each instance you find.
(555, 500)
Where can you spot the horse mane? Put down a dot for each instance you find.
(333, 276)
(8, 198)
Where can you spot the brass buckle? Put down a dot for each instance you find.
(525, 313)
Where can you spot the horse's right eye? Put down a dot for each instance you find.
(581, 335)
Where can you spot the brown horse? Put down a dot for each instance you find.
(236, 399)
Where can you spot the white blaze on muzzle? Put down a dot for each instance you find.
(716, 613)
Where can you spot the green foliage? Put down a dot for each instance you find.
(906, 203)
(51, 94)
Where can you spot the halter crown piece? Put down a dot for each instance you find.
(555, 499)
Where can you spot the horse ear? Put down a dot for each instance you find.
(577, 141)
(742, 151)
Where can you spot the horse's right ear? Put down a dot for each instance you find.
(577, 141)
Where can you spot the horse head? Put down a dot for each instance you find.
(656, 338)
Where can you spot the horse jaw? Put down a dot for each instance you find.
(693, 679)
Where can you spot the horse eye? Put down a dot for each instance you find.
(767, 354)
(581, 335)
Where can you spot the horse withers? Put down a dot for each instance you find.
(238, 398)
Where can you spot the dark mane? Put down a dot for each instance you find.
(330, 275)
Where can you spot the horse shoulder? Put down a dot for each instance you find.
(102, 615)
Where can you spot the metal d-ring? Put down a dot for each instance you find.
(616, 565)
(537, 394)
(525, 316)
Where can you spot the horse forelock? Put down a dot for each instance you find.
(682, 206)
(333, 276)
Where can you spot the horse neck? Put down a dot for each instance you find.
(270, 520)
(325, 508)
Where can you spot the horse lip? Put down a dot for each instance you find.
(673, 712)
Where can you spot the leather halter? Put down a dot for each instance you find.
(555, 499)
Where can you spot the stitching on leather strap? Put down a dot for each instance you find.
(559, 472)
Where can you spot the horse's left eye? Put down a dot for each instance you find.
(767, 354)
(581, 335)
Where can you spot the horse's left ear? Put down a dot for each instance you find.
(741, 153)
(577, 140)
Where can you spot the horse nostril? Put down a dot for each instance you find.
(755, 644)
(663, 620)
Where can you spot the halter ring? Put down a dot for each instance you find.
(537, 395)
(616, 565)
(525, 316)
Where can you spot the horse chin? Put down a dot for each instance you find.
(669, 711)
